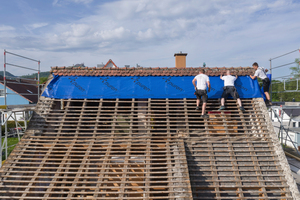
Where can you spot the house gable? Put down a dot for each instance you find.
(12, 98)
(110, 64)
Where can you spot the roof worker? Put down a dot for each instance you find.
(229, 89)
(261, 73)
(202, 83)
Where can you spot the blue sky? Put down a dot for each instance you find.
(148, 32)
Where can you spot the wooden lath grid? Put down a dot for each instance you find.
(144, 149)
(96, 150)
(233, 157)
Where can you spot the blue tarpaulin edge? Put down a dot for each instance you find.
(93, 87)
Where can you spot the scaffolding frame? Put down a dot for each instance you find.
(23, 67)
(5, 115)
(282, 129)
(280, 66)
(26, 111)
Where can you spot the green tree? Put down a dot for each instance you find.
(296, 69)
(43, 80)
(277, 86)
(291, 84)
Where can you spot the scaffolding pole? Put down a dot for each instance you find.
(12, 114)
(276, 67)
(19, 66)
(19, 130)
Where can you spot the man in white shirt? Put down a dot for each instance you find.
(202, 83)
(261, 73)
(229, 89)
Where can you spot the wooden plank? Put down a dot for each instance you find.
(143, 148)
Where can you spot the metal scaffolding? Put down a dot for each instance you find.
(10, 113)
(17, 131)
(284, 78)
(284, 130)
(23, 67)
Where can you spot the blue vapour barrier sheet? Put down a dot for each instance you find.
(89, 87)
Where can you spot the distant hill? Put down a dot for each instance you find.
(34, 75)
(7, 74)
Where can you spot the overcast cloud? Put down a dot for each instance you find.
(149, 32)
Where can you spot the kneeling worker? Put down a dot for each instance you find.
(202, 83)
(261, 73)
(230, 89)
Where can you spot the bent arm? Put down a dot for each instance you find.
(194, 83)
(208, 85)
(253, 77)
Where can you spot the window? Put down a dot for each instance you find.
(294, 124)
(1, 92)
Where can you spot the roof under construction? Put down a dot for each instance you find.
(149, 148)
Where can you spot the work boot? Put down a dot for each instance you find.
(222, 108)
(242, 109)
(268, 103)
(204, 116)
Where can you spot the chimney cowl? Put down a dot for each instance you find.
(180, 54)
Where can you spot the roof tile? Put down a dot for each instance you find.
(140, 71)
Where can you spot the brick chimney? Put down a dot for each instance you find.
(180, 60)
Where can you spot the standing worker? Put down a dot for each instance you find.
(261, 73)
(202, 83)
(229, 89)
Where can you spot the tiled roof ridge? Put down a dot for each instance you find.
(149, 68)
(148, 71)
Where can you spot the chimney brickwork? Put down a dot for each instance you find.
(180, 60)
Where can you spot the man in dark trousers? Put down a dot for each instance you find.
(202, 83)
(261, 73)
(229, 89)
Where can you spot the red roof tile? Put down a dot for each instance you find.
(157, 71)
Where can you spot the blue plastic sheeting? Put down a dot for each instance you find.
(81, 87)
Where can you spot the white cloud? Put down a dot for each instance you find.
(62, 2)
(81, 1)
(55, 2)
(79, 30)
(221, 33)
(148, 34)
(6, 28)
(35, 26)
(117, 33)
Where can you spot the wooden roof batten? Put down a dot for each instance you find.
(147, 149)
